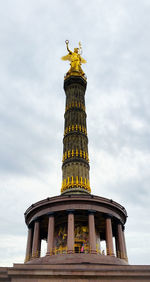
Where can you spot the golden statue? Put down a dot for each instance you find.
(75, 61)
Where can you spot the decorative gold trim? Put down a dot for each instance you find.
(60, 250)
(75, 127)
(70, 182)
(75, 153)
(36, 254)
(64, 250)
(27, 258)
(75, 104)
(122, 255)
(75, 73)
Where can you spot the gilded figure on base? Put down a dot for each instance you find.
(75, 60)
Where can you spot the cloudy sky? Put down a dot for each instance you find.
(115, 36)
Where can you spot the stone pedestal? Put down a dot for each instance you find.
(75, 272)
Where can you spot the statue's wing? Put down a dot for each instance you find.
(66, 58)
(83, 61)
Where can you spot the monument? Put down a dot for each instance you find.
(76, 224)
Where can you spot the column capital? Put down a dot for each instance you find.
(108, 215)
(36, 219)
(70, 211)
(50, 214)
(119, 221)
(91, 212)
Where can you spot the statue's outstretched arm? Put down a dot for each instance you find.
(67, 43)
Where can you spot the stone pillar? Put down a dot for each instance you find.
(50, 236)
(36, 240)
(29, 245)
(117, 245)
(125, 249)
(92, 233)
(109, 237)
(121, 245)
(100, 244)
(70, 235)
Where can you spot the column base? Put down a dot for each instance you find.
(122, 256)
(35, 257)
(93, 252)
(70, 252)
(50, 253)
(77, 259)
(27, 259)
(111, 255)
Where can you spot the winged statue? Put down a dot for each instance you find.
(75, 60)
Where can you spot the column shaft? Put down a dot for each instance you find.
(99, 247)
(36, 240)
(29, 245)
(50, 239)
(117, 245)
(121, 246)
(125, 249)
(70, 236)
(92, 234)
(109, 237)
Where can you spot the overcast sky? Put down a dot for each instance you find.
(115, 36)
